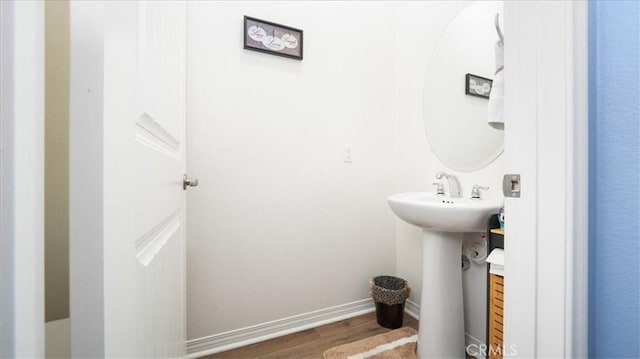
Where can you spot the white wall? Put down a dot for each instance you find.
(279, 225)
(418, 29)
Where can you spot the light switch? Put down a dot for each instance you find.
(347, 153)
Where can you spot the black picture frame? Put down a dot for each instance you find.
(271, 38)
(474, 86)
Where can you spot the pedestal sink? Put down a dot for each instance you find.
(443, 220)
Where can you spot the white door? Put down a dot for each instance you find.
(546, 142)
(128, 159)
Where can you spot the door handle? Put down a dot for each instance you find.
(189, 182)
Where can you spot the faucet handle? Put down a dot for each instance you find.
(439, 188)
(475, 191)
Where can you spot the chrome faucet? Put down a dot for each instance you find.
(454, 184)
(475, 191)
(439, 188)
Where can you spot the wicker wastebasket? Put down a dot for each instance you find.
(389, 294)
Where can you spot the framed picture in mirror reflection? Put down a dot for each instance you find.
(477, 86)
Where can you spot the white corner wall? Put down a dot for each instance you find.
(419, 26)
(280, 225)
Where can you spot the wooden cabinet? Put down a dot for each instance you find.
(496, 310)
(495, 294)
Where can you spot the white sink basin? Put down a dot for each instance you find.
(443, 220)
(442, 213)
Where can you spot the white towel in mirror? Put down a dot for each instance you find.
(496, 97)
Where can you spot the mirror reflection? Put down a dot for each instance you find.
(456, 103)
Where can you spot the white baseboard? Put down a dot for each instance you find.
(474, 346)
(217, 343)
(413, 309)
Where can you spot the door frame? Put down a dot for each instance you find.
(546, 249)
(86, 163)
(22, 179)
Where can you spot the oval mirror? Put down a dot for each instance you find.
(456, 123)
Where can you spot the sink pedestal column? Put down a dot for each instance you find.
(441, 333)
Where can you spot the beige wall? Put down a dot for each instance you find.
(56, 160)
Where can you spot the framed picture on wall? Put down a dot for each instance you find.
(272, 38)
(477, 86)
